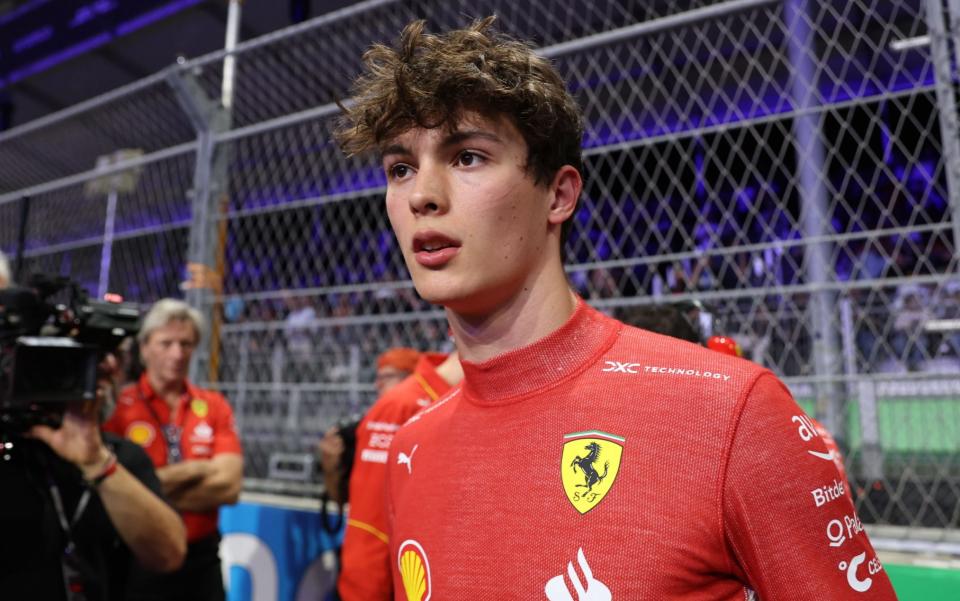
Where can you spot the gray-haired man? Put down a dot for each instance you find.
(190, 436)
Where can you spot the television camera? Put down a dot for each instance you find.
(49, 351)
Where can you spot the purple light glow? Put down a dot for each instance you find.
(154, 15)
(87, 13)
(59, 57)
(99, 7)
(32, 39)
(22, 10)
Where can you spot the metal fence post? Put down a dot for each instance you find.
(209, 188)
(24, 216)
(864, 391)
(945, 63)
(815, 219)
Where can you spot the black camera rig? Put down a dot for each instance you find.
(49, 351)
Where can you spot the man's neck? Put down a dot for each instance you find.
(170, 392)
(527, 317)
(450, 370)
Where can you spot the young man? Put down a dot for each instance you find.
(365, 572)
(189, 434)
(553, 471)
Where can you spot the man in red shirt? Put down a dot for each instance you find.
(393, 367)
(189, 434)
(365, 573)
(580, 458)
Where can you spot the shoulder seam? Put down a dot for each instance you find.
(433, 407)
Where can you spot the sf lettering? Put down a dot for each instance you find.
(839, 531)
(589, 497)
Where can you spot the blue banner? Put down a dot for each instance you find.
(273, 553)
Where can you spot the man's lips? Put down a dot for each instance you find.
(433, 249)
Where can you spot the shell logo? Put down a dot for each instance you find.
(141, 433)
(414, 571)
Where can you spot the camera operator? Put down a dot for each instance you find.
(77, 505)
(189, 434)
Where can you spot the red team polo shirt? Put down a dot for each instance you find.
(207, 429)
(607, 463)
(365, 572)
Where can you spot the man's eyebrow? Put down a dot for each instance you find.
(394, 149)
(462, 135)
(456, 137)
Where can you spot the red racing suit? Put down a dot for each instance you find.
(205, 420)
(604, 462)
(365, 562)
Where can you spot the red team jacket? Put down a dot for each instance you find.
(607, 463)
(365, 561)
(207, 427)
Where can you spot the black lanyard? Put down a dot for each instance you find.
(171, 431)
(71, 564)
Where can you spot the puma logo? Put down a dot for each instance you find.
(404, 459)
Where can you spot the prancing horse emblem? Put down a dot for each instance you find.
(590, 463)
(590, 474)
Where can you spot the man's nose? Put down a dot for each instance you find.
(430, 191)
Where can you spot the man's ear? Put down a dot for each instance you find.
(565, 189)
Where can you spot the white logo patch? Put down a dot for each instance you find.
(638, 368)
(202, 432)
(407, 460)
(590, 589)
(371, 456)
(828, 493)
(382, 427)
(873, 567)
(623, 368)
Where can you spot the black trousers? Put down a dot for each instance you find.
(200, 578)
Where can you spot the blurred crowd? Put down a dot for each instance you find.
(904, 326)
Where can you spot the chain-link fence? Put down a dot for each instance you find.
(791, 165)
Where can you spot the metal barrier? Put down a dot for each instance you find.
(793, 165)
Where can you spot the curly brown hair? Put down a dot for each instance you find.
(429, 80)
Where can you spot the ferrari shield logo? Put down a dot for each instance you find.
(199, 407)
(589, 466)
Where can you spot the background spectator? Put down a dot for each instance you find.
(910, 340)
